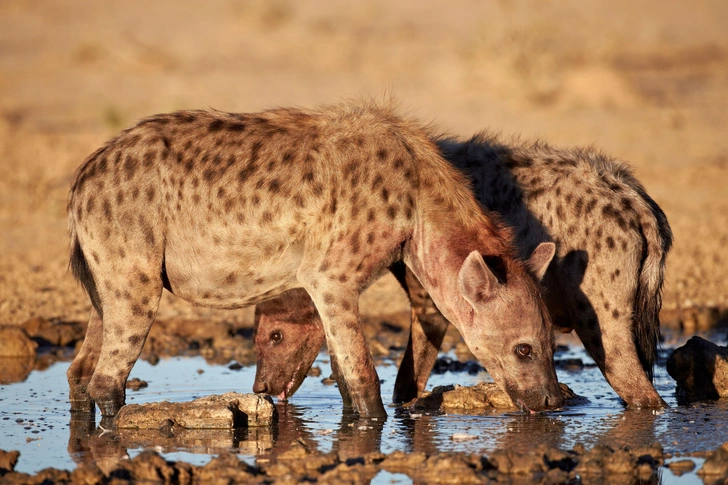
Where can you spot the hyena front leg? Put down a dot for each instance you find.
(427, 331)
(338, 306)
(419, 358)
(82, 368)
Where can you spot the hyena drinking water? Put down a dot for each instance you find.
(605, 281)
(229, 210)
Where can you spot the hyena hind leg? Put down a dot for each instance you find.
(82, 368)
(612, 346)
(126, 324)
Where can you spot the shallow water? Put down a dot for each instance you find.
(35, 419)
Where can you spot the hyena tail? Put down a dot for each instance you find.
(81, 271)
(657, 240)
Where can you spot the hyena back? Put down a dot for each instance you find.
(228, 210)
(605, 281)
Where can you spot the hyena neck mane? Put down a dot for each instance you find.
(452, 225)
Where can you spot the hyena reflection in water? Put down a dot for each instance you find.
(229, 210)
(605, 281)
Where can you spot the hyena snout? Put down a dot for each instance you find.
(538, 400)
(260, 386)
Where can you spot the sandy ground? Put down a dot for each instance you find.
(646, 81)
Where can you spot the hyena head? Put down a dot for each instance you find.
(288, 337)
(510, 330)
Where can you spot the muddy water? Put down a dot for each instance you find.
(35, 420)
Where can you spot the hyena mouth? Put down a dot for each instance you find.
(523, 407)
(283, 396)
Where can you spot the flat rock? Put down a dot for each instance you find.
(226, 411)
(700, 368)
(482, 396)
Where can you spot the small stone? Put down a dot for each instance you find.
(680, 467)
(135, 384)
(462, 437)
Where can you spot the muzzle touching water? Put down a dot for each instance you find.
(535, 401)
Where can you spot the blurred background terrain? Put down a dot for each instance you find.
(646, 81)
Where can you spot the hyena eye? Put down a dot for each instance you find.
(523, 350)
(276, 337)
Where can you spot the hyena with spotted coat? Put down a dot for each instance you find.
(229, 210)
(605, 280)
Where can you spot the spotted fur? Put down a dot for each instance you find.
(228, 210)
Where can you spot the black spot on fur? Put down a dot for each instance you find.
(590, 206)
(610, 212)
(378, 180)
(215, 125)
(130, 165)
(107, 209)
(392, 211)
(136, 339)
(274, 186)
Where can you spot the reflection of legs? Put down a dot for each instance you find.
(428, 328)
(80, 372)
(358, 436)
(81, 428)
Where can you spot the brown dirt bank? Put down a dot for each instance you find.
(547, 465)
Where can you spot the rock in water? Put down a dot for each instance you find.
(230, 410)
(700, 368)
(486, 395)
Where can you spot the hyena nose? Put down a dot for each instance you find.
(554, 401)
(260, 387)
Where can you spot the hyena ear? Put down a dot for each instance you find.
(541, 257)
(476, 281)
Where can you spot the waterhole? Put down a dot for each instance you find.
(35, 418)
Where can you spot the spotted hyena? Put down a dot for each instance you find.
(605, 281)
(229, 210)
